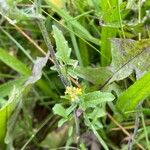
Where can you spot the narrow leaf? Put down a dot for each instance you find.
(13, 62)
(7, 87)
(78, 28)
(110, 15)
(137, 92)
(6, 111)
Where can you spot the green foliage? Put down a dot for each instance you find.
(60, 110)
(7, 87)
(129, 56)
(98, 75)
(13, 62)
(95, 98)
(63, 54)
(97, 78)
(109, 16)
(91, 105)
(136, 93)
(78, 28)
(63, 51)
(6, 111)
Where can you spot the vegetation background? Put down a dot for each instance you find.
(74, 74)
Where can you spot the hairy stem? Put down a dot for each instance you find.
(48, 43)
(47, 40)
(136, 124)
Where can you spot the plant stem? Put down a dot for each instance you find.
(96, 133)
(139, 17)
(77, 126)
(137, 121)
(145, 131)
(34, 134)
(47, 40)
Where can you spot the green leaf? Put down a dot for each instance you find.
(98, 112)
(6, 111)
(63, 51)
(2, 102)
(14, 63)
(95, 98)
(11, 122)
(70, 131)
(98, 125)
(78, 28)
(97, 75)
(7, 87)
(61, 122)
(129, 55)
(58, 109)
(110, 15)
(70, 109)
(137, 92)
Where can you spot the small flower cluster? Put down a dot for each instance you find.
(73, 92)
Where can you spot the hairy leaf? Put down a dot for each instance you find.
(128, 56)
(63, 51)
(95, 98)
(97, 75)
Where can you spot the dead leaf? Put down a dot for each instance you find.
(37, 69)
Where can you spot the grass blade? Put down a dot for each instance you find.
(13, 62)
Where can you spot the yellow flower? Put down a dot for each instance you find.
(73, 92)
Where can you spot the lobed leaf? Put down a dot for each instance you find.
(63, 51)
